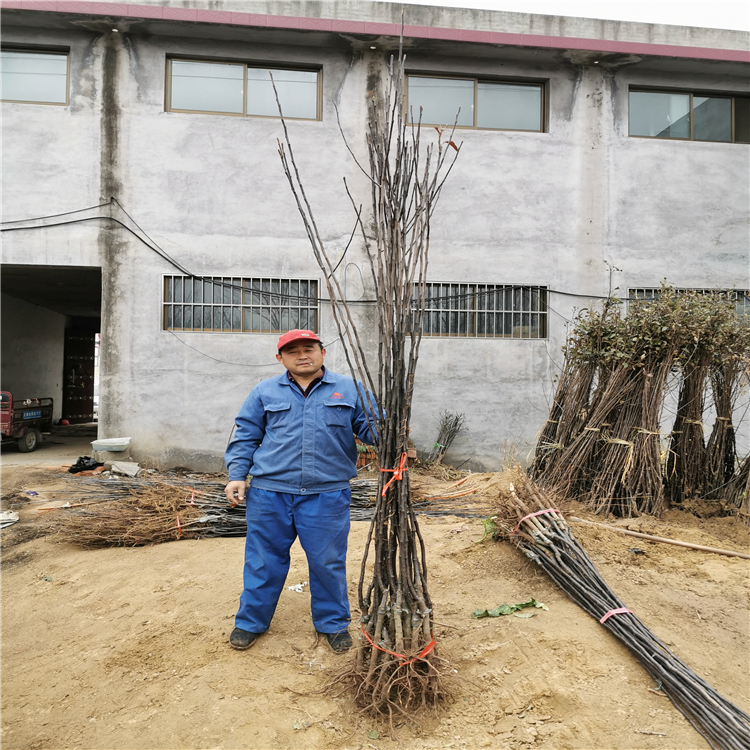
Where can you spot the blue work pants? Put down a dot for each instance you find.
(274, 520)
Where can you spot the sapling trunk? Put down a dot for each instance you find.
(396, 669)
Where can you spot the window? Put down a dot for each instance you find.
(689, 116)
(239, 305)
(34, 76)
(490, 105)
(485, 310)
(740, 297)
(239, 89)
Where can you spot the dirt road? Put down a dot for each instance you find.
(127, 648)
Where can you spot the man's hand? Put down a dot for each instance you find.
(235, 491)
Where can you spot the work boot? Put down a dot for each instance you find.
(339, 642)
(242, 639)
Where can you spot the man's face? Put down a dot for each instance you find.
(302, 358)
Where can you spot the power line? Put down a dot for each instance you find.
(268, 294)
(223, 361)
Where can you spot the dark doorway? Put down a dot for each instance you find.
(51, 316)
(78, 375)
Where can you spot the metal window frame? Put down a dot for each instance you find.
(474, 311)
(256, 65)
(237, 283)
(44, 51)
(543, 99)
(690, 93)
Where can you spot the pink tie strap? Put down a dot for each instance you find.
(620, 611)
(531, 515)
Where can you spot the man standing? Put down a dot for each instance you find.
(295, 436)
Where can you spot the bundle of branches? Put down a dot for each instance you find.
(396, 665)
(570, 407)
(450, 426)
(602, 440)
(147, 514)
(136, 512)
(737, 491)
(528, 518)
(605, 444)
(728, 372)
(687, 458)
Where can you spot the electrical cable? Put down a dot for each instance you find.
(64, 213)
(223, 361)
(156, 249)
(163, 252)
(153, 245)
(567, 320)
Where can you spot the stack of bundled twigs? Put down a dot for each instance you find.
(602, 442)
(364, 498)
(738, 491)
(450, 426)
(686, 461)
(396, 668)
(137, 512)
(540, 531)
(146, 514)
(730, 371)
(606, 444)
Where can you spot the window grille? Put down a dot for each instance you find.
(485, 311)
(740, 297)
(239, 305)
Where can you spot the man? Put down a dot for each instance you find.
(295, 436)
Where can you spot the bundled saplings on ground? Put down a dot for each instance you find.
(527, 517)
(396, 670)
(604, 441)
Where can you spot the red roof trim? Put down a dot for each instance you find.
(368, 27)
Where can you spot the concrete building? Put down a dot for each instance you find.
(596, 155)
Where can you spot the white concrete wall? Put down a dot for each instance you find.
(33, 343)
(549, 208)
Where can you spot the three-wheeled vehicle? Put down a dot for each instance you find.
(24, 420)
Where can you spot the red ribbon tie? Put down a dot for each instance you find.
(398, 473)
(426, 650)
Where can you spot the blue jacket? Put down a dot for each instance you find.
(289, 443)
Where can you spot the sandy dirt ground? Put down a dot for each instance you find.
(127, 648)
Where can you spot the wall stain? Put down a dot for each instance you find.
(83, 82)
(111, 244)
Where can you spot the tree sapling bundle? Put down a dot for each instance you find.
(602, 441)
(528, 518)
(728, 375)
(396, 669)
(450, 426)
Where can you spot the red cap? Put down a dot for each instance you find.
(296, 335)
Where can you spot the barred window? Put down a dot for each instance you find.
(740, 297)
(239, 305)
(485, 311)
